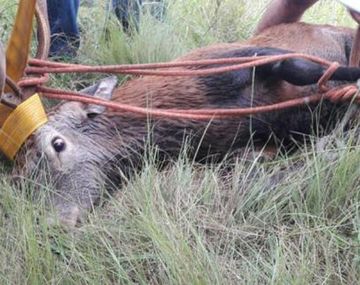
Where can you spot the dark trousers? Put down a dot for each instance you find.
(65, 38)
(128, 12)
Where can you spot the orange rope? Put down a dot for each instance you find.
(42, 67)
(326, 76)
(192, 114)
(341, 94)
(141, 69)
(31, 81)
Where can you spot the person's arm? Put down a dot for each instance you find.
(283, 11)
(355, 16)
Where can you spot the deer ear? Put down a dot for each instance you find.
(103, 90)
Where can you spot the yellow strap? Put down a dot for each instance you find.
(18, 48)
(19, 44)
(21, 123)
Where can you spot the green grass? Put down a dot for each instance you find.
(295, 220)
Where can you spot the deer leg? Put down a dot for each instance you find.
(302, 72)
(298, 71)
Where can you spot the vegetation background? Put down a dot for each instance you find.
(295, 220)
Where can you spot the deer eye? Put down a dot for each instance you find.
(58, 144)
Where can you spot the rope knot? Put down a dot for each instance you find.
(341, 93)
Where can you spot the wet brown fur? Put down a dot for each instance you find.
(329, 42)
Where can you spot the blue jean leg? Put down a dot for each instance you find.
(65, 38)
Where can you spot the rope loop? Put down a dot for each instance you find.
(326, 76)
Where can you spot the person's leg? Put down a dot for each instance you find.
(65, 38)
(128, 13)
(283, 11)
(121, 9)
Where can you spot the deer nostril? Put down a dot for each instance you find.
(58, 144)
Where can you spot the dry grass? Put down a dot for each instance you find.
(295, 220)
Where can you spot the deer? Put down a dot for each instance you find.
(84, 148)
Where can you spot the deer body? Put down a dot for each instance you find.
(243, 88)
(87, 147)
